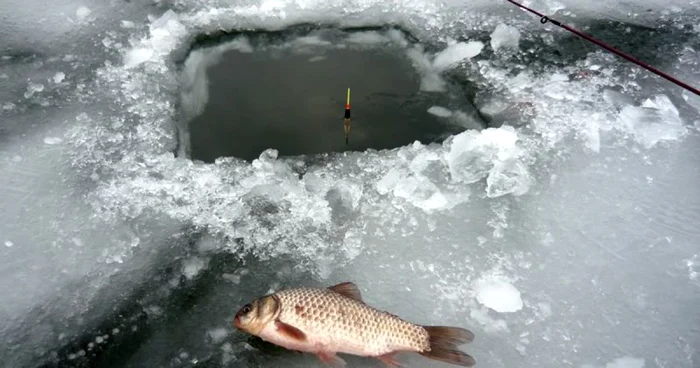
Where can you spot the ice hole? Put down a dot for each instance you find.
(245, 92)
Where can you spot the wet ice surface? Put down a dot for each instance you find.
(582, 206)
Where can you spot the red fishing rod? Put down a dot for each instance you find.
(544, 19)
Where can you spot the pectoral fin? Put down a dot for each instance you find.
(390, 360)
(290, 331)
(331, 359)
(347, 289)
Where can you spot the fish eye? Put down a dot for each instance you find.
(246, 309)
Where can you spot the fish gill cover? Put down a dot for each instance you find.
(565, 236)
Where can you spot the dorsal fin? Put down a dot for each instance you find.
(347, 289)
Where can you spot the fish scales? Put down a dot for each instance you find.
(346, 322)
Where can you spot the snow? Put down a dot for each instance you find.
(550, 234)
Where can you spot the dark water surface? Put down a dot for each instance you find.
(294, 102)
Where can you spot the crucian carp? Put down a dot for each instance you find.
(327, 321)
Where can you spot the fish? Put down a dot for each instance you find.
(332, 320)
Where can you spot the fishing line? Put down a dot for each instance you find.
(544, 19)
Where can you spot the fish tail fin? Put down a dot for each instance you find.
(443, 345)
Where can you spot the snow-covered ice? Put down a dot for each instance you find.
(563, 235)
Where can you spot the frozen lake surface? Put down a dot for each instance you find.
(564, 235)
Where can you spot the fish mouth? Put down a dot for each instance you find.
(237, 322)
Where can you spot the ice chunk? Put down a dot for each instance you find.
(52, 140)
(9, 244)
(33, 88)
(217, 335)
(508, 177)
(310, 41)
(137, 56)
(83, 12)
(343, 199)
(692, 99)
(59, 77)
(469, 158)
(421, 192)
(492, 152)
(241, 44)
(656, 120)
(165, 32)
(353, 243)
(626, 362)
(193, 266)
(367, 38)
(388, 181)
(207, 243)
(591, 131)
(234, 279)
(491, 325)
(498, 294)
(455, 53)
(417, 185)
(440, 111)
(692, 263)
(430, 76)
(423, 160)
(505, 36)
